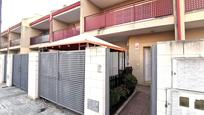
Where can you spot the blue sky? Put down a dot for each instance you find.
(15, 10)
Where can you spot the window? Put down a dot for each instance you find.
(184, 101)
(199, 104)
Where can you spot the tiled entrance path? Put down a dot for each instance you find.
(139, 104)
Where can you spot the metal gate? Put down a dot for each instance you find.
(5, 68)
(20, 71)
(62, 77)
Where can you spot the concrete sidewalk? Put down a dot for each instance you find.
(14, 101)
(139, 104)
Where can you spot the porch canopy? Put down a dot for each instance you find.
(80, 39)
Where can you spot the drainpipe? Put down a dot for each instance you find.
(180, 19)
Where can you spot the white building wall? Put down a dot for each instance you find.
(2, 59)
(166, 53)
(33, 75)
(9, 70)
(96, 82)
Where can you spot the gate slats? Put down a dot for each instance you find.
(62, 78)
(20, 71)
(24, 72)
(71, 83)
(16, 70)
(48, 76)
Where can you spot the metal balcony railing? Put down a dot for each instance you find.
(15, 42)
(4, 45)
(66, 33)
(133, 12)
(191, 5)
(39, 39)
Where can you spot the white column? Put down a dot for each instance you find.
(33, 75)
(96, 82)
(9, 70)
(2, 58)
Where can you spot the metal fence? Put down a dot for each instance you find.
(66, 33)
(20, 71)
(191, 5)
(61, 79)
(39, 39)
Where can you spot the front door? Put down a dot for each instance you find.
(147, 64)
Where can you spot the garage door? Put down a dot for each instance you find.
(20, 71)
(62, 78)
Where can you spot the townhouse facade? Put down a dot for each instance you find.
(135, 25)
(132, 24)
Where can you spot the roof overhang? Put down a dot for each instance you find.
(106, 3)
(17, 30)
(83, 38)
(69, 16)
(42, 24)
(61, 14)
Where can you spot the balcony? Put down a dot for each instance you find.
(129, 13)
(15, 42)
(66, 33)
(39, 39)
(4, 45)
(191, 5)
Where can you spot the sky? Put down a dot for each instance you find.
(13, 11)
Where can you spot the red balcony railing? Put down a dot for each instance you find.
(129, 13)
(66, 33)
(15, 42)
(39, 39)
(191, 5)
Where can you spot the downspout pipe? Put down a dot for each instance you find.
(180, 16)
(51, 28)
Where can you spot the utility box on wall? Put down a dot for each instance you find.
(179, 68)
(188, 73)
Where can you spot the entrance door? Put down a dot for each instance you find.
(147, 64)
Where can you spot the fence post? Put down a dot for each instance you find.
(9, 70)
(96, 100)
(33, 75)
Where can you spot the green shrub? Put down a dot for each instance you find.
(117, 93)
(114, 96)
(130, 81)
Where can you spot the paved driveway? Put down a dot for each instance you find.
(139, 104)
(14, 101)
